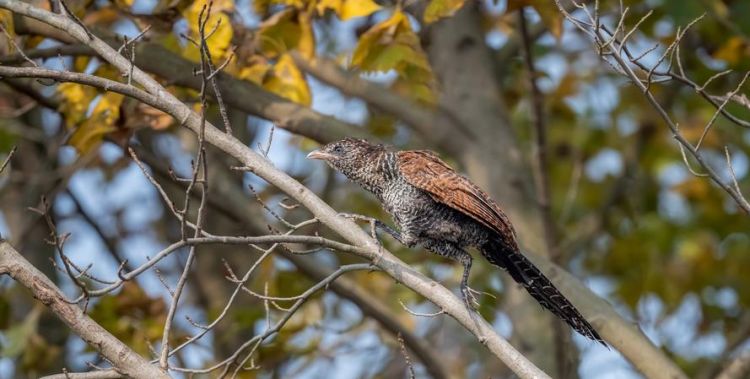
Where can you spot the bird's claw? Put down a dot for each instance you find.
(373, 232)
(353, 216)
(469, 299)
(371, 220)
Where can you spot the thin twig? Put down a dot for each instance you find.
(413, 313)
(406, 356)
(8, 158)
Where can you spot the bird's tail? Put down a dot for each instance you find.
(539, 287)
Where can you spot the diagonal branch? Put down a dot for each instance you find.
(128, 362)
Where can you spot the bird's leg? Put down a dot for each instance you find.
(454, 252)
(467, 292)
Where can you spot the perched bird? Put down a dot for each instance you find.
(438, 209)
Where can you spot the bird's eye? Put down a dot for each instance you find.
(338, 149)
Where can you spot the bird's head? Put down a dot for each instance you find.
(348, 156)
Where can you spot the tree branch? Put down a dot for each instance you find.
(120, 355)
(737, 368)
(102, 374)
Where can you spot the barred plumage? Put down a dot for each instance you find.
(444, 212)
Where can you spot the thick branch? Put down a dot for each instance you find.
(120, 355)
(737, 368)
(103, 374)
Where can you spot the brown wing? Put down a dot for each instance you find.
(426, 171)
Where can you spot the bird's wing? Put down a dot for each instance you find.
(426, 171)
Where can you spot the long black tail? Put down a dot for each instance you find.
(539, 287)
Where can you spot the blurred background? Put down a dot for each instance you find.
(668, 249)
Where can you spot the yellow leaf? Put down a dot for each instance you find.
(694, 188)
(6, 18)
(393, 45)
(306, 44)
(732, 50)
(220, 40)
(568, 86)
(33, 41)
(287, 30)
(75, 101)
(286, 80)
(438, 9)
(373, 53)
(103, 17)
(255, 72)
(358, 8)
(89, 135)
(222, 6)
(102, 121)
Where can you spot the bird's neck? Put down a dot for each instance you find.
(378, 171)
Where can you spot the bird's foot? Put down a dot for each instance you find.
(373, 231)
(354, 216)
(469, 299)
(373, 224)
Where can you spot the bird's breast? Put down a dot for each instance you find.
(416, 213)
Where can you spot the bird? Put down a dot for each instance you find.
(442, 211)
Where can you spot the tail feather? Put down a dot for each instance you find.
(539, 287)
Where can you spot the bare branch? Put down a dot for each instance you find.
(7, 159)
(120, 355)
(102, 374)
(418, 314)
(407, 359)
(15, 46)
(737, 368)
(686, 148)
(734, 176)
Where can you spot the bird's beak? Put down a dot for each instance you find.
(317, 154)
